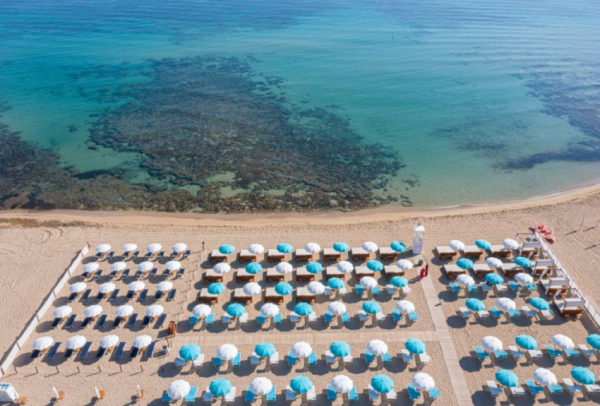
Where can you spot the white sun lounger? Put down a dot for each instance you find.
(493, 389)
(571, 387)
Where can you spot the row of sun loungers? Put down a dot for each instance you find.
(125, 274)
(101, 321)
(301, 255)
(516, 354)
(82, 353)
(136, 254)
(534, 389)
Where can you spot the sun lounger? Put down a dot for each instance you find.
(590, 389)
(125, 274)
(485, 287)
(36, 353)
(181, 273)
(517, 391)
(528, 312)
(546, 314)
(291, 360)
(290, 395)
(249, 397)
(150, 350)
(396, 315)
(146, 321)
(70, 321)
(571, 387)
(406, 357)
(483, 314)
(217, 256)
(86, 295)
(101, 352)
(53, 350)
(130, 295)
(134, 352)
(587, 351)
(515, 352)
(493, 389)
(424, 358)
(69, 353)
(553, 352)
(481, 354)
(113, 295)
(369, 357)
(465, 313)
(84, 351)
(455, 288)
(274, 255)
(353, 395)
(514, 313)
(412, 316)
(555, 389)
(101, 321)
(237, 361)
(161, 321)
(331, 394)
(534, 389)
(56, 322)
(117, 321)
(500, 354)
(413, 393)
(172, 294)
(191, 396)
(86, 322)
(445, 252)
(496, 313)
(312, 359)
(572, 353)
(472, 251)
(98, 274)
(132, 319)
(73, 296)
(515, 287)
(435, 393)
(119, 351)
(533, 354)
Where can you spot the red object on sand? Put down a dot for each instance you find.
(545, 233)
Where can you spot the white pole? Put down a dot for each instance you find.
(97, 392)
(55, 392)
(139, 391)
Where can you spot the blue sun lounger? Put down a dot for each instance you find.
(434, 393)
(291, 360)
(150, 350)
(249, 398)
(413, 316)
(312, 359)
(73, 296)
(217, 362)
(191, 396)
(369, 357)
(555, 389)
(455, 288)
(71, 321)
(172, 294)
(353, 395)
(331, 394)
(101, 321)
(86, 295)
(481, 354)
(113, 295)
(35, 353)
(132, 320)
(272, 396)
(553, 352)
(117, 321)
(84, 351)
(146, 321)
(533, 387)
(86, 322)
(161, 321)
(52, 353)
(119, 351)
(396, 315)
(413, 393)
(143, 295)
(134, 352)
(101, 352)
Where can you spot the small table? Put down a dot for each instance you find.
(273, 297)
(386, 253)
(333, 272)
(274, 276)
(472, 251)
(241, 276)
(302, 275)
(240, 297)
(329, 254)
(205, 297)
(246, 256)
(303, 256)
(217, 256)
(303, 295)
(359, 254)
(274, 255)
(362, 271)
(392, 270)
(211, 276)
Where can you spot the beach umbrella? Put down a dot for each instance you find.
(336, 283)
(464, 263)
(261, 386)
(507, 378)
(303, 309)
(506, 304)
(524, 278)
(371, 307)
(284, 268)
(124, 311)
(494, 279)
(465, 280)
(339, 349)
(164, 286)
(285, 248)
(345, 267)
(457, 245)
(562, 341)
(523, 262)
(216, 288)
(106, 288)
(484, 244)
(404, 264)
(76, 342)
(594, 341)
(493, 262)
(314, 268)
(77, 287)
(405, 307)
(252, 289)
(235, 310)
(301, 384)
(398, 246)
(222, 268)
(375, 266)
(154, 310)
(201, 310)
(316, 288)
(284, 288)
(510, 244)
(62, 311)
(301, 349)
(109, 341)
(179, 248)
(102, 248)
(370, 246)
(189, 352)
(399, 282)
(256, 249)
(382, 384)
(152, 248)
(342, 384)
(526, 342)
(583, 375)
(341, 247)
(423, 382)
(377, 347)
(544, 377)
(492, 344)
(254, 268)
(92, 311)
(415, 346)
(173, 265)
(91, 267)
(367, 282)
(226, 249)
(475, 304)
(264, 350)
(227, 352)
(269, 310)
(118, 266)
(142, 341)
(42, 343)
(312, 248)
(336, 308)
(129, 247)
(145, 266)
(539, 303)
(178, 389)
(220, 387)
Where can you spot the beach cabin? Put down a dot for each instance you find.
(8, 393)
(557, 283)
(542, 265)
(570, 305)
(531, 247)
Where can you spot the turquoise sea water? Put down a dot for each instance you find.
(479, 101)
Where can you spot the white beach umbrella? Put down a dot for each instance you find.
(178, 389)
(252, 289)
(76, 342)
(510, 244)
(316, 288)
(109, 341)
(345, 267)
(312, 247)
(524, 278)
(342, 384)
(201, 310)
(154, 310)
(492, 344)
(173, 265)
(152, 248)
(368, 282)
(102, 248)
(91, 267)
(164, 286)
(506, 304)
(370, 246)
(118, 266)
(136, 286)
(423, 382)
(142, 341)
(404, 264)
(301, 349)
(129, 247)
(77, 287)
(493, 262)
(42, 343)
(545, 377)
(336, 308)
(405, 307)
(222, 268)
(284, 268)
(261, 386)
(227, 352)
(269, 310)
(256, 249)
(62, 311)
(145, 266)
(124, 311)
(106, 288)
(179, 247)
(465, 280)
(377, 347)
(562, 341)
(92, 311)
(457, 245)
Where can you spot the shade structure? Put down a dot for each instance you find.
(285, 248)
(222, 268)
(398, 246)
(220, 387)
(375, 265)
(154, 247)
(494, 279)
(256, 249)
(342, 384)
(594, 341)
(77, 287)
(106, 288)
(371, 307)
(506, 304)
(336, 283)
(118, 266)
(510, 244)
(457, 245)
(339, 349)
(92, 311)
(483, 244)
(76, 342)
(164, 286)
(539, 303)
(562, 341)
(341, 247)
(235, 310)
(523, 262)
(301, 384)
(312, 248)
(284, 268)
(370, 246)
(368, 282)
(526, 342)
(216, 288)
(303, 309)
(415, 346)
(465, 280)
(136, 286)
(336, 308)
(145, 266)
(475, 304)
(316, 288)
(91, 267)
(507, 378)
(254, 268)
(62, 311)
(399, 282)
(492, 344)
(173, 265)
(524, 278)
(124, 311)
(301, 349)
(345, 267)
(179, 248)
(129, 247)
(269, 310)
(583, 375)
(201, 310)
(423, 382)
(189, 352)
(464, 263)
(42, 343)
(493, 262)
(142, 341)
(102, 248)
(109, 341)
(314, 268)
(382, 384)
(227, 352)
(377, 347)
(261, 386)
(178, 389)
(405, 307)
(226, 249)
(544, 377)
(264, 350)
(154, 310)
(284, 288)
(252, 289)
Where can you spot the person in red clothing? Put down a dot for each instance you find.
(424, 271)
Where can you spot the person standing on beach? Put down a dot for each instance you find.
(424, 272)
